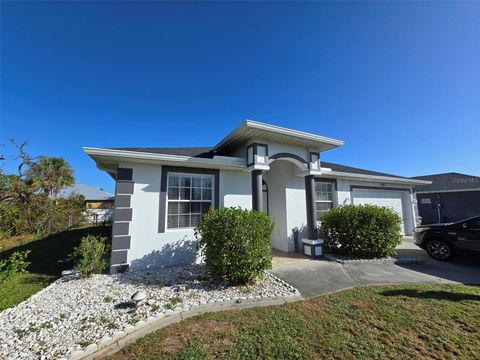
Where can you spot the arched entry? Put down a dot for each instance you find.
(265, 197)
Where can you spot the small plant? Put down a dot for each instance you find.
(174, 301)
(236, 243)
(133, 320)
(20, 333)
(109, 324)
(84, 343)
(16, 264)
(108, 299)
(155, 308)
(91, 254)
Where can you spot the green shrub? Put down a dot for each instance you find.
(91, 255)
(365, 231)
(16, 264)
(236, 243)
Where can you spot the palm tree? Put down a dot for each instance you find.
(51, 174)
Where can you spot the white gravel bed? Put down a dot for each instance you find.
(72, 313)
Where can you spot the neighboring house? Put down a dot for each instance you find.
(161, 193)
(99, 204)
(450, 197)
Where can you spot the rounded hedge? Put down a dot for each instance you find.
(365, 231)
(236, 243)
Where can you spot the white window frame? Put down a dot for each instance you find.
(167, 200)
(324, 201)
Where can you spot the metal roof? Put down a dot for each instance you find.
(87, 191)
(448, 181)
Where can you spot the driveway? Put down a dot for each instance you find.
(319, 277)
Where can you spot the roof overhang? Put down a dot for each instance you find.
(109, 159)
(250, 129)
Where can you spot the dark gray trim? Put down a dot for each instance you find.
(123, 214)
(119, 257)
(120, 228)
(116, 269)
(121, 224)
(333, 181)
(121, 242)
(253, 155)
(310, 159)
(265, 193)
(256, 145)
(353, 187)
(288, 155)
(257, 193)
(311, 207)
(124, 174)
(124, 187)
(255, 152)
(122, 201)
(188, 170)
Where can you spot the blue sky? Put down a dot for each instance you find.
(399, 82)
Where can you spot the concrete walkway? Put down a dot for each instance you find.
(313, 278)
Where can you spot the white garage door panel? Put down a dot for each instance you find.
(390, 199)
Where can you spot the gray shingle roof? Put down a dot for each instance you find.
(207, 152)
(87, 191)
(448, 181)
(354, 170)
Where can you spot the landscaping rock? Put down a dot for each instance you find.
(73, 311)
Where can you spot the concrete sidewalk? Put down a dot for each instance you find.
(313, 278)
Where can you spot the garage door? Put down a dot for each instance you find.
(391, 199)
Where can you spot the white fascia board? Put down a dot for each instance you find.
(445, 191)
(387, 179)
(278, 130)
(220, 162)
(290, 132)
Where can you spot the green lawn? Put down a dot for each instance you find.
(395, 322)
(48, 257)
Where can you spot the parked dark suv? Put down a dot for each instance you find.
(442, 241)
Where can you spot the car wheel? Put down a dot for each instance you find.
(439, 249)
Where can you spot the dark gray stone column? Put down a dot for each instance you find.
(311, 218)
(257, 201)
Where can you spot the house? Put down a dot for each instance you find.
(450, 197)
(99, 204)
(161, 193)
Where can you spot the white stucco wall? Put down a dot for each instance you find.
(236, 189)
(286, 203)
(149, 248)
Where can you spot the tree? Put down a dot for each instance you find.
(29, 200)
(50, 174)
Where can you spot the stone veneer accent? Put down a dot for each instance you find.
(121, 222)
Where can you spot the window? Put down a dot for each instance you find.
(324, 198)
(188, 198)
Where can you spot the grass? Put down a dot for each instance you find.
(397, 322)
(48, 257)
